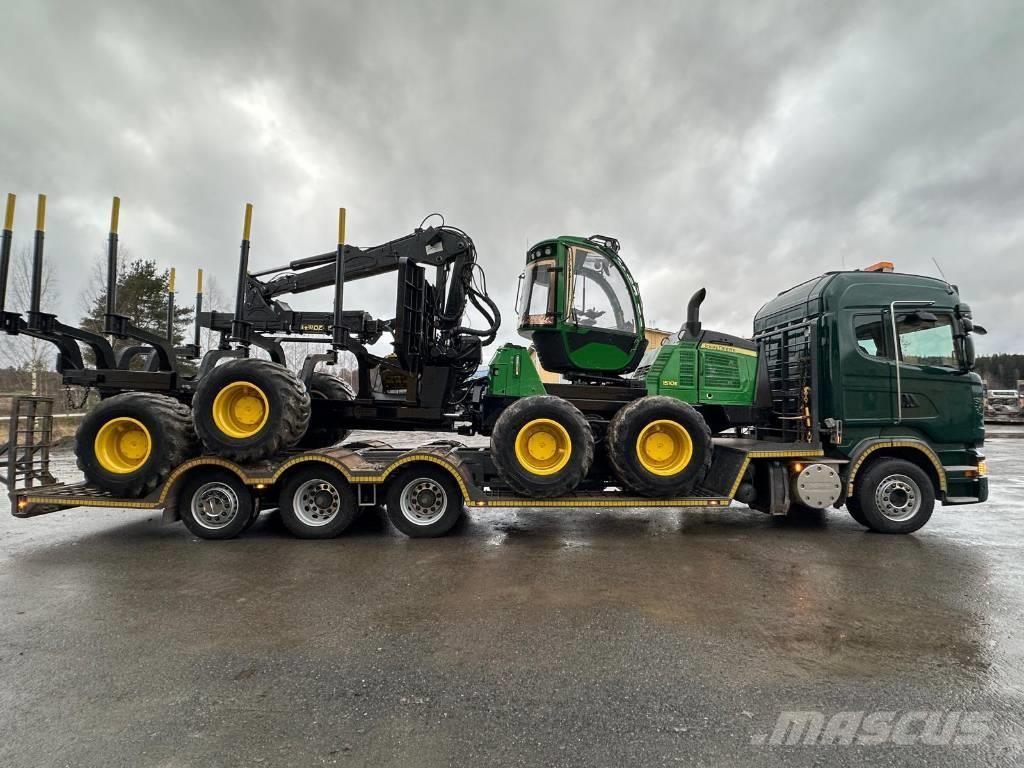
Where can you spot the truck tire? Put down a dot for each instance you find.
(324, 386)
(247, 410)
(853, 507)
(215, 504)
(424, 501)
(542, 446)
(129, 443)
(659, 446)
(317, 502)
(895, 496)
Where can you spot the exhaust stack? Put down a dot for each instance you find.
(692, 325)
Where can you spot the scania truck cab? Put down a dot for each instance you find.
(877, 367)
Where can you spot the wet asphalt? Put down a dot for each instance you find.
(569, 637)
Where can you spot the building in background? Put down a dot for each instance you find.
(655, 338)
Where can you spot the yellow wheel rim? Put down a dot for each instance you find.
(122, 445)
(543, 447)
(240, 409)
(664, 447)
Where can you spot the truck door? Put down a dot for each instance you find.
(866, 394)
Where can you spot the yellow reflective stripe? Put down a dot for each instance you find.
(730, 348)
(928, 452)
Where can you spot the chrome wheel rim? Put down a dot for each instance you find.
(898, 498)
(316, 503)
(424, 501)
(215, 505)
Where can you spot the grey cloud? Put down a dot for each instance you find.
(744, 147)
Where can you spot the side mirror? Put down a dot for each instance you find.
(969, 356)
(980, 330)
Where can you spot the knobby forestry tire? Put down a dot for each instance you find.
(326, 387)
(172, 441)
(624, 431)
(503, 446)
(286, 423)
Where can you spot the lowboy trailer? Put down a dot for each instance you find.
(425, 490)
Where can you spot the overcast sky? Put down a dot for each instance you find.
(744, 146)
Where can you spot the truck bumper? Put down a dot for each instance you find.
(966, 490)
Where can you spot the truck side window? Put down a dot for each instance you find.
(925, 342)
(870, 333)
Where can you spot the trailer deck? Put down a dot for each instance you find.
(368, 468)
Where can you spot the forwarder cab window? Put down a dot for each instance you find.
(926, 342)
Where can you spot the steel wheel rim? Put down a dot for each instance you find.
(664, 447)
(215, 505)
(424, 501)
(123, 445)
(898, 498)
(240, 410)
(316, 503)
(543, 447)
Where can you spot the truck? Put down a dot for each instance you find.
(856, 389)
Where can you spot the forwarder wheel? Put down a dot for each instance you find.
(129, 443)
(324, 386)
(659, 446)
(250, 409)
(542, 446)
(895, 496)
(317, 502)
(424, 501)
(215, 504)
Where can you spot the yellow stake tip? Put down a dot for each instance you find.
(41, 213)
(9, 215)
(248, 221)
(199, 281)
(115, 213)
(341, 226)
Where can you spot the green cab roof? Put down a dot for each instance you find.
(850, 290)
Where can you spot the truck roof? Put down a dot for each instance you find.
(851, 289)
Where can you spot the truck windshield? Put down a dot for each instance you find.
(537, 301)
(927, 343)
(600, 296)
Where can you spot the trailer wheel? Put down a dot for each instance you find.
(895, 496)
(659, 446)
(324, 386)
(424, 501)
(215, 504)
(129, 443)
(317, 502)
(542, 446)
(250, 409)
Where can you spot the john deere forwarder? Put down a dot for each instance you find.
(625, 417)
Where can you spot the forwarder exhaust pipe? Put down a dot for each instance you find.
(691, 328)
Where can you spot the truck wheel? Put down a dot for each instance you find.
(853, 507)
(895, 496)
(324, 386)
(424, 501)
(215, 504)
(129, 443)
(659, 446)
(250, 409)
(317, 502)
(542, 446)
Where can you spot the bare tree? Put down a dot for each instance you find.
(28, 355)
